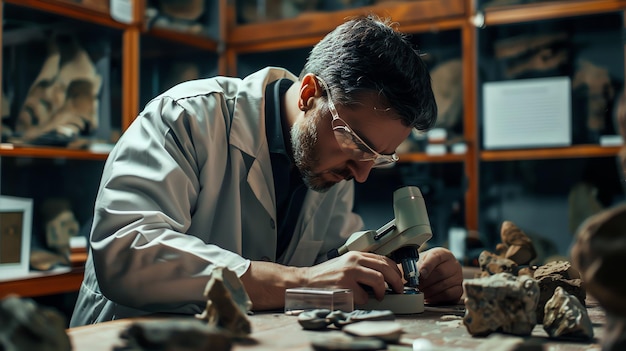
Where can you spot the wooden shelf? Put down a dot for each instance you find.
(581, 151)
(548, 10)
(423, 157)
(7, 150)
(71, 10)
(311, 26)
(43, 283)
(194, 40)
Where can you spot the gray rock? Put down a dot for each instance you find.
(187, 334)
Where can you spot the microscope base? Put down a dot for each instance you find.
(397, 303)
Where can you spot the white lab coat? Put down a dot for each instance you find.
(189, 187)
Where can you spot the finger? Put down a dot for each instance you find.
(390, 271)
(431, 259)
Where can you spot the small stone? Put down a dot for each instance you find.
(385, 330)
(314, 319)
(566, 318)
(343, 342)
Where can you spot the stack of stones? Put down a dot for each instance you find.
(510, 296)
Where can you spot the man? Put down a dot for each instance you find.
(256, 175)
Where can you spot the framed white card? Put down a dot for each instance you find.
(16, 216)
(527, 113)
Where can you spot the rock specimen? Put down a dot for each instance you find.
(227, 303)
(566, 318)
(599, 253)
(557, 274)
(515, 245)
(500, 303)
(187, 334)
(24, 325)
(491, 264)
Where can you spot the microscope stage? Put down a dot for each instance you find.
(407, 303)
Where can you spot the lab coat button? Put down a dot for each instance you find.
(272, 223)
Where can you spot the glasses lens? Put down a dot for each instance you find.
(352, 146)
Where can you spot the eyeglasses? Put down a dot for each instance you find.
(351, 143)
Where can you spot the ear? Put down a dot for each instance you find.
(309, 90)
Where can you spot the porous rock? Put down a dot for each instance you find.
(502, 303)
(566, 318)
(491, 263)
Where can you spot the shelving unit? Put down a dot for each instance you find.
(233, 50)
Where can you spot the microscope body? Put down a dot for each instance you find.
(399, 239)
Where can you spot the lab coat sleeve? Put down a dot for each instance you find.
(143, 255)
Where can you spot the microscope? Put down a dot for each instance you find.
(400, 240)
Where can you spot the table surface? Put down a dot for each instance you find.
(276, 331)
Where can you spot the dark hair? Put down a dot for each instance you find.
(368, 54)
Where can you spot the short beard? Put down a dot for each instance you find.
(303, 141)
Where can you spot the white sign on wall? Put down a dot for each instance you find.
(527, 113)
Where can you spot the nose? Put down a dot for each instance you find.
(360, 169)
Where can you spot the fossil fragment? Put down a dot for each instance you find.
(24, 325)
(515, 245)
(565, 317)
(557, 274)
(500, 303)
(227, 303)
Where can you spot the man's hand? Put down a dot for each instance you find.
(354, 270)
(441, 277)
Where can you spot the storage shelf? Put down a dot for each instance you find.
(68, 9)
(316, 24)
(43, 283)
(423, 157)
(50, 152)
(199, 41)
(580, 151)
(548, 10)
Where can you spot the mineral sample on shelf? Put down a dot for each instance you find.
(227, 303)
(599, 253)
(557, 274)
(566, 318)
(501, 303)
(491, 264)
(515, 245)
(24, 325)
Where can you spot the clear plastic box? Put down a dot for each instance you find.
(298, 300)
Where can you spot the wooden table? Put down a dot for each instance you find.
(277, 331)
